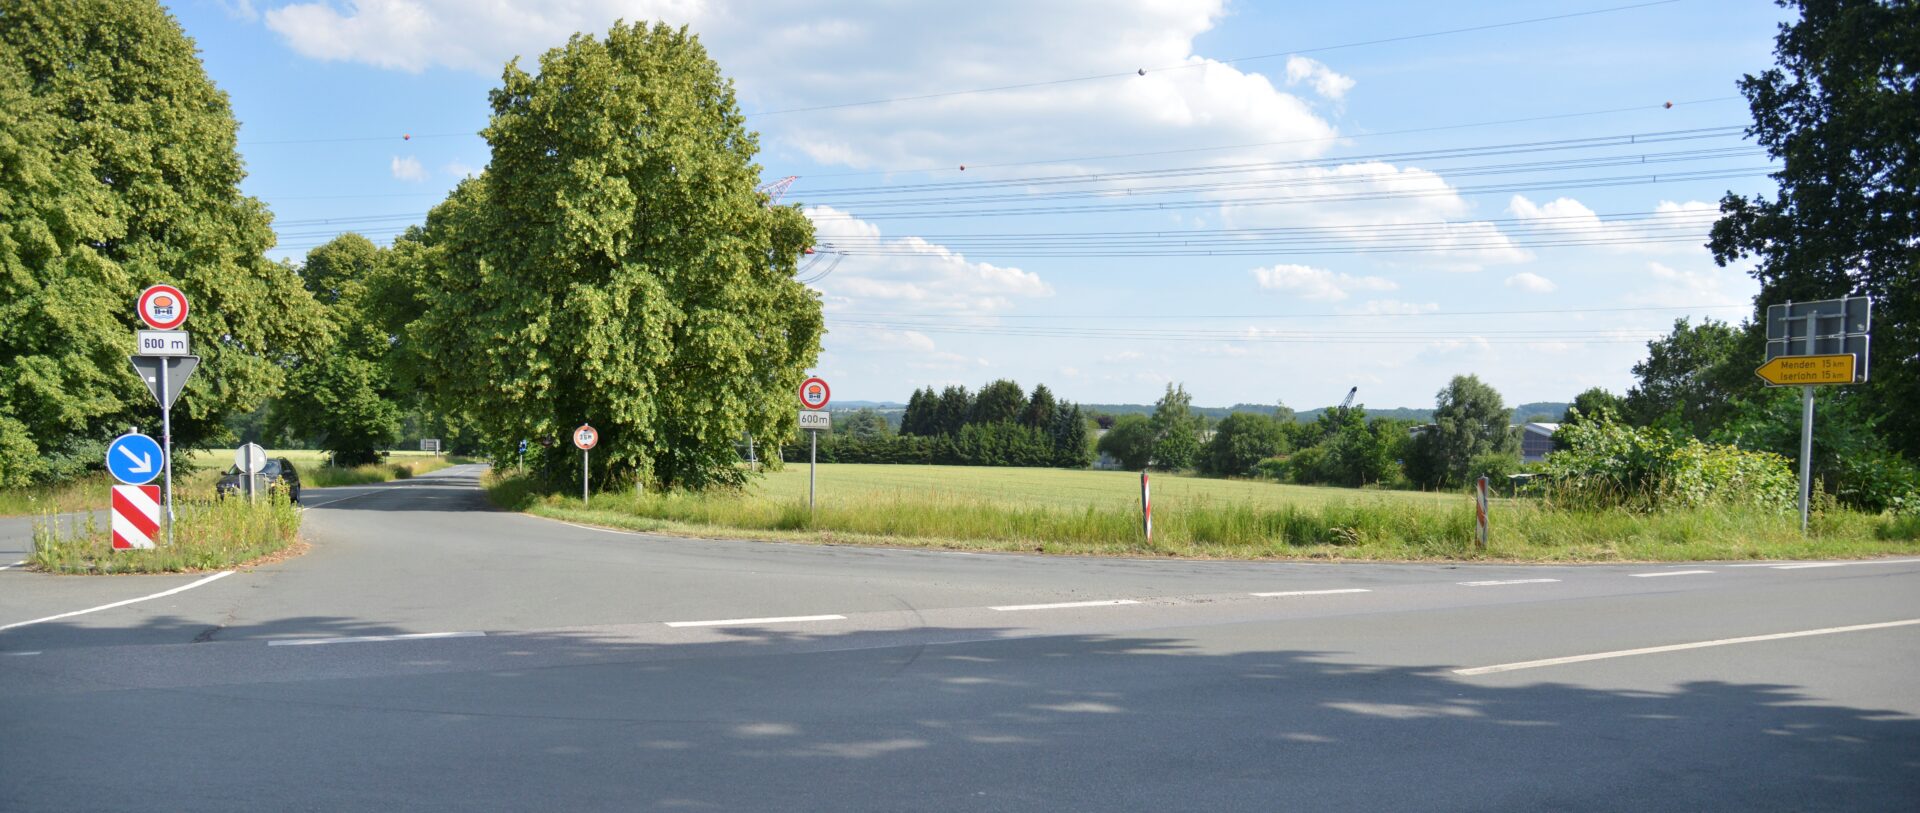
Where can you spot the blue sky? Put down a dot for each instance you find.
(1513, 201)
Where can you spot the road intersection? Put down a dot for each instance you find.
(432, 653)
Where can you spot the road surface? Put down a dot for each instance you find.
(430, 653)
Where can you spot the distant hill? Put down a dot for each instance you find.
(1554, 410)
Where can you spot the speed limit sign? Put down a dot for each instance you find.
(586, 437)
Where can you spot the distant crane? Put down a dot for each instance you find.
(1345, 405)
(775, 190)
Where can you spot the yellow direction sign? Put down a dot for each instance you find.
(1795, 371)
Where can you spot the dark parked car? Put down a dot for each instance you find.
(278, 472)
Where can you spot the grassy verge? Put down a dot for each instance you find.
(1055, 512)
(200, 470)
(207, 535)
(81, 494)
(396, 468)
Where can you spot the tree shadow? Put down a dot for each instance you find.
(946, 718)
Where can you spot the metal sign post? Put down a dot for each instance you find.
(162, 353)
(1811, 344)
(814, 394)
(251, 459)
(585, 437)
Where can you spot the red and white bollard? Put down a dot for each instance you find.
(1146, 506)
(1480, 520)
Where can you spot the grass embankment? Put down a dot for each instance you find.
(1090, 512)
(207, 535)
(315, 473)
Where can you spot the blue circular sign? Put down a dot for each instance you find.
(135, 459)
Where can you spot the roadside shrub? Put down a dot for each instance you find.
(1877, 480)
(1609, 465)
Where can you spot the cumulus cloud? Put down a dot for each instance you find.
(912, 274)
(408, 169)
(1531, 283)
(1318, 76)
(1307, 282)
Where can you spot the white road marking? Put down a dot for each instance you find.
(368, 639)
(14, 565)
(1794, 565)
(20, 654)
(1311, 592)
(751, 622)
(1066, 605)
(1507, 581)
(162, 594)
(1669, 573)
(1624, 653)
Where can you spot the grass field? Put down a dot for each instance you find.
(207, 535)
(1088, 512)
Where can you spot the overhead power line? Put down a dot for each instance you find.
(1136, 71)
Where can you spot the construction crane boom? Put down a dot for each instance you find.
(1349, 401)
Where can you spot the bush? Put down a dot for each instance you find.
(1608, 465)
(1272, 468)
(1495, 466)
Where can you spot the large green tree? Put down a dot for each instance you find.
(1176, 430)
(345, 399)
(1689, 378)
(1469, 420)
(614, 266)
(1837, 112)
(1239, 441)
(118, 171)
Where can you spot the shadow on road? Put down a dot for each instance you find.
(934, 718)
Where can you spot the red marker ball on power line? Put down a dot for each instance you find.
(963, 167)
(406, 136)
(1669, 105)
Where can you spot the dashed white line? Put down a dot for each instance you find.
(1798, 565)
(20, 654)
(369, 639)
(1499, 582)
(754, 622)
(1066, 605)
(1669, 573)
(14, 565)
(162, 594)
(1311, 592)
(367, 493)
(1651, 650)
(1812, 564)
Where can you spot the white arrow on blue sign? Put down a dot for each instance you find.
(135, 459)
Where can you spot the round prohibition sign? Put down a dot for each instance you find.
(586, 437)
(163, 307)
(814, 393)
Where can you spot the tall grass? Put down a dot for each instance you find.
(1362, 526)
(207, 535)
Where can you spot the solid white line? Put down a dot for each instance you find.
(1066, 605)
(221, 575)
(1669, 573)
(367, 639)
(749, 622)
(367, 493)
(1791, 565)
(1507, 581)
(14, 565)
(1812, 564)
(20, 654)
(1310, 592)
(1508, 667)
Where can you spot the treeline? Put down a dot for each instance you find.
(998, 426)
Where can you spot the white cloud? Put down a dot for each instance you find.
(1531, 283)
(408, 169)
(241, 10)
(1672, 228)
(1316, 74)
(1308, 282)
(912, 274)
(459, 169)
(787, 56)
(1393, 307)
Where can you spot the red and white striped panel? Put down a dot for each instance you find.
(136, 516)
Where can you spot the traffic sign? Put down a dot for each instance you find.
(178, 368)
(135, 518)
(163, 307)
(814, 393)
(586, 437)
(161, 343)
(810, 419)
(135, 459)
(430, 445)
(1796, 371)
(250, 459)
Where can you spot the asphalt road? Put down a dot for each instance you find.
(431, 654)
